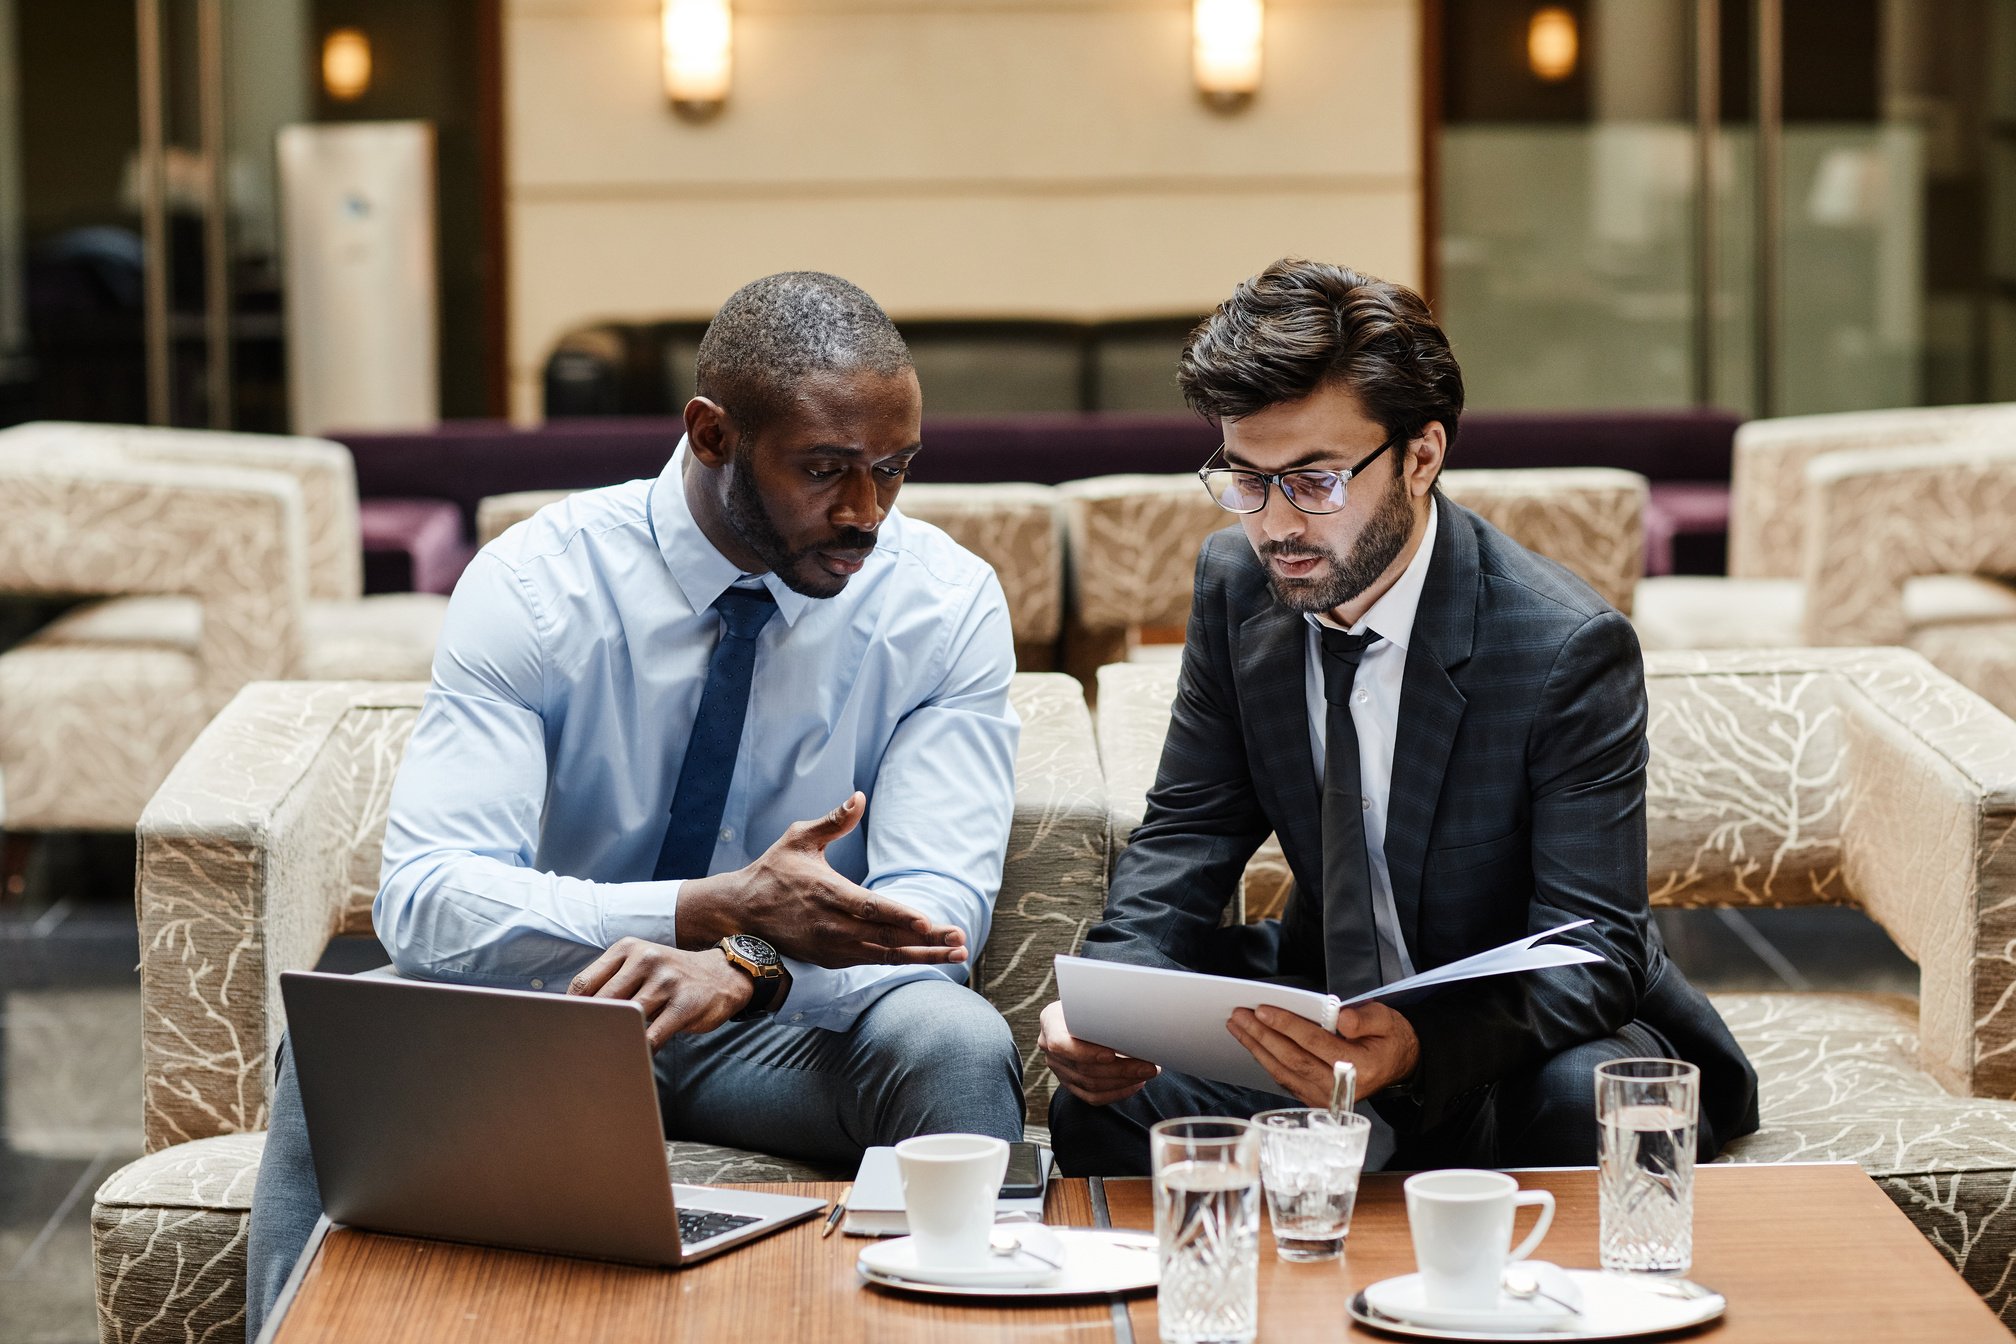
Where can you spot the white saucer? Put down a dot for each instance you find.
(1614, 1306)
(1095, 1261)
(896, 1258)
(1402, 1299)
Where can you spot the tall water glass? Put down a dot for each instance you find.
(1310, 1161)
(1207, 1225)
(1648, 1110)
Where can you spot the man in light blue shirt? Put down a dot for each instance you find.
(792, 900)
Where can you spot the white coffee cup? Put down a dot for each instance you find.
(950, 1182)
(1462, 1224)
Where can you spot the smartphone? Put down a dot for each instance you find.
(1025, 1173)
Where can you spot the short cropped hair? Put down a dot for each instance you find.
(774, 332)
(1299, 325)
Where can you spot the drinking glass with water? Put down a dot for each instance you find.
(1207, 1226)
(1310, 1161)
(1648, 1110)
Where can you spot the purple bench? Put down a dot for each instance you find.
(412, 484)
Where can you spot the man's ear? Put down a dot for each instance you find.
(709, 433)
(1423, 459)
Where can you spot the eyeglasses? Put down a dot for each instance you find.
(1238, 490)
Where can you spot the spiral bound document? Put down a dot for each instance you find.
(1177, 1018)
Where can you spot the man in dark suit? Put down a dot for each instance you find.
(1446, 731)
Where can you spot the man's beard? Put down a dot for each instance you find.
(1384, 537)
(753, 526)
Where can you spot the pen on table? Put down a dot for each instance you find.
(833, 1218)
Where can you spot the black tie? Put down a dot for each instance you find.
(1350, 932)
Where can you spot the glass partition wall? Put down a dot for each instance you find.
(1777, 206)
(137, 131)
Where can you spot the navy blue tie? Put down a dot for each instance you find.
(709, 767)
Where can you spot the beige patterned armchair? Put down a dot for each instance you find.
(264, 844)
(1012, 526)
(1878, 527)
(1133, 543)
(1861, 777)
(219, 558)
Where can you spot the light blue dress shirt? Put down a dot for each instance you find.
(528, 811)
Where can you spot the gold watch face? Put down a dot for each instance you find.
(753, 956)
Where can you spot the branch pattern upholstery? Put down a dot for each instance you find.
(1879, 520)
(221, 559)
(1768, 525)
(1820, 776)
(1870, 528)
(264, 842)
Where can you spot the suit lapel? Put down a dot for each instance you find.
(1431, 708)
(1273, 700)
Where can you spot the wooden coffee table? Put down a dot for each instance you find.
(1803, 1253)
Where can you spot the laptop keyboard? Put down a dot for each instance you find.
(697, 1225)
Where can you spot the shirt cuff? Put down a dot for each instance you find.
(647, 910)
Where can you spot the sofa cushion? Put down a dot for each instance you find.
(1687, 612)
(1838, 1080)
(386, 637)
(1980, 657)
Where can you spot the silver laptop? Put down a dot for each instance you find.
(501, 1117)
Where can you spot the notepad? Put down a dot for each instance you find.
(1177, 1018)
(875, 1208)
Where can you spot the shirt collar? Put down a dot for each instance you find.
(700, 570)
(1393, 614)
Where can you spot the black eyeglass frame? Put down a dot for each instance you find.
(1279, 479)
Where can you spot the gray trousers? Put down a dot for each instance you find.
(928, 1057)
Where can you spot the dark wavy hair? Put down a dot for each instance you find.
(1299, 325)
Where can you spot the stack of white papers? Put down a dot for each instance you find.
(1177, 1018)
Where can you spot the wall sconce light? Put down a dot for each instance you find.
(346, 64)
(1225, 50)
(1552, 43)
(698, 54)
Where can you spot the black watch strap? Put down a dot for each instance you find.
(763, 1001)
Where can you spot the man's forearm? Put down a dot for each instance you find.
(708, 912)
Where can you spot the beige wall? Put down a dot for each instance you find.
(953, 157)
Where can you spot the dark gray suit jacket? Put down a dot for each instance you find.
(1517, 804)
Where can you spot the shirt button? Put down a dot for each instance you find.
(1363, 697)
(1365, 804)
(797, 1017)
(727, 832)
(538, 984)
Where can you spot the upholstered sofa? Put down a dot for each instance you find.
(1876, 527)
(1852, 777)
(1133, 543)
(217, 559)
(263, 845)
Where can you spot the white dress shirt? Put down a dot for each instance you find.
(533, 797)
(1375, 713)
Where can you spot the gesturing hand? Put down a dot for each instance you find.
(681, 991)
(1301, 1056)
(792, 898)
(1091, 1073)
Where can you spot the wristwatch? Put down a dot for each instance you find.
(759, 961)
